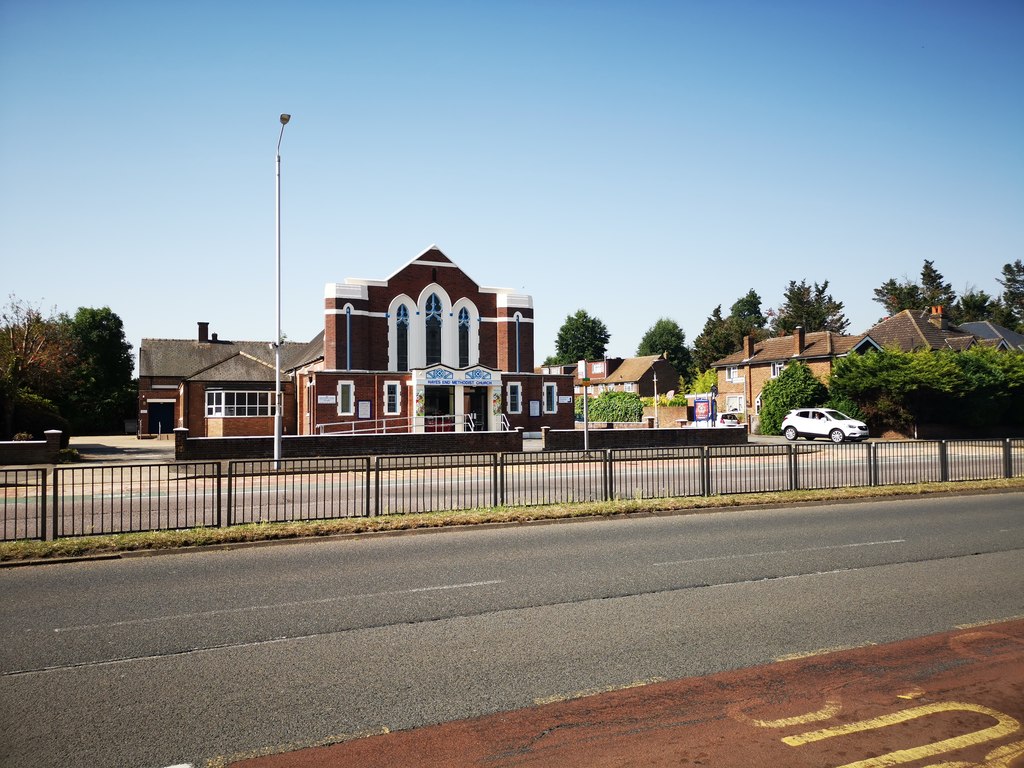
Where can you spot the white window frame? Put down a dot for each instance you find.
(740, 403)
(514, 403)
(550, 397)
(255, 403)
(732, 374)
(350, 387)
(629, 386)
(777, 369)
(396, 388)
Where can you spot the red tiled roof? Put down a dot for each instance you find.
(912, 330)
(817, 345)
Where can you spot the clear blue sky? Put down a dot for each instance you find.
(635, 159)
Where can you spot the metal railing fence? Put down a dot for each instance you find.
(436, 483)
(23, 503)
(976, 459)
(657, 473)
(906, 463)
(729, 472)
(553, 477)
(135, 497)
(107, 499)
(846, 465)
(1015, 457)
(298, 489)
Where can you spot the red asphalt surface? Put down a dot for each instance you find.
(954, 700)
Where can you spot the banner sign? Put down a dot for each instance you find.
(471, 377)
(701, 409)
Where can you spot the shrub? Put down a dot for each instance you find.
(68, 455)
(847, 406)
(612, 406)
(796, 387)
(34, 415)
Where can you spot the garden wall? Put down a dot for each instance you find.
(31, 451)
(314, 446)
(599, 439)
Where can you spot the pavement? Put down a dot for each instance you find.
(955, 699)
(124, 449)
(129, 449)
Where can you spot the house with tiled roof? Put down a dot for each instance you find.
(426, 349)
(914, 330)
(991, 333)
(645, 375)
(743, 374)
(206, 383)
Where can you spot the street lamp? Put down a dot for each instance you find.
(277, 284)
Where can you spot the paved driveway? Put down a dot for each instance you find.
(124, 449)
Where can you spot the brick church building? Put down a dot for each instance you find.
(426, 349)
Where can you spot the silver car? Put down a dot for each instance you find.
(810, 423)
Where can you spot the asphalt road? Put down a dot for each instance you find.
(206, 657)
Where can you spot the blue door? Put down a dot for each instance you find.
(161, 418)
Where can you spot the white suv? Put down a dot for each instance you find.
(810, 423)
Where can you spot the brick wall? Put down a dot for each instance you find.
(311, 446)
(15, 452)
(563, 440)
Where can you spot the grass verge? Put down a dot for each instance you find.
(92, 546)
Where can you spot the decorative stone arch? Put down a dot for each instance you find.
(448, 330)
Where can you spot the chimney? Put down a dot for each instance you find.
(938, 319)
(748, 347)
(204, 332)
(798, 341)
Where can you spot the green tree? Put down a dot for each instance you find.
(975, 305)
(812, 308)
(103, 393)
(935, 291)
(1011, 310)
(714, 342)
(581, 337)
(896, 296)
(704, 382)
(666, 337)
(747, 317)
(795, 387)
(35, 357)
(722, 336)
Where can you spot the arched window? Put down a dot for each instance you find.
(463, 338)
(432, 323)
(402, 334)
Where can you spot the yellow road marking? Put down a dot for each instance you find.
(977, 624)
(1005, 725)
(831, 709)
(595, 691)
(914, 693)
(821, 652)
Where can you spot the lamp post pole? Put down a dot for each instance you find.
(278, 399)
(656, 424)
